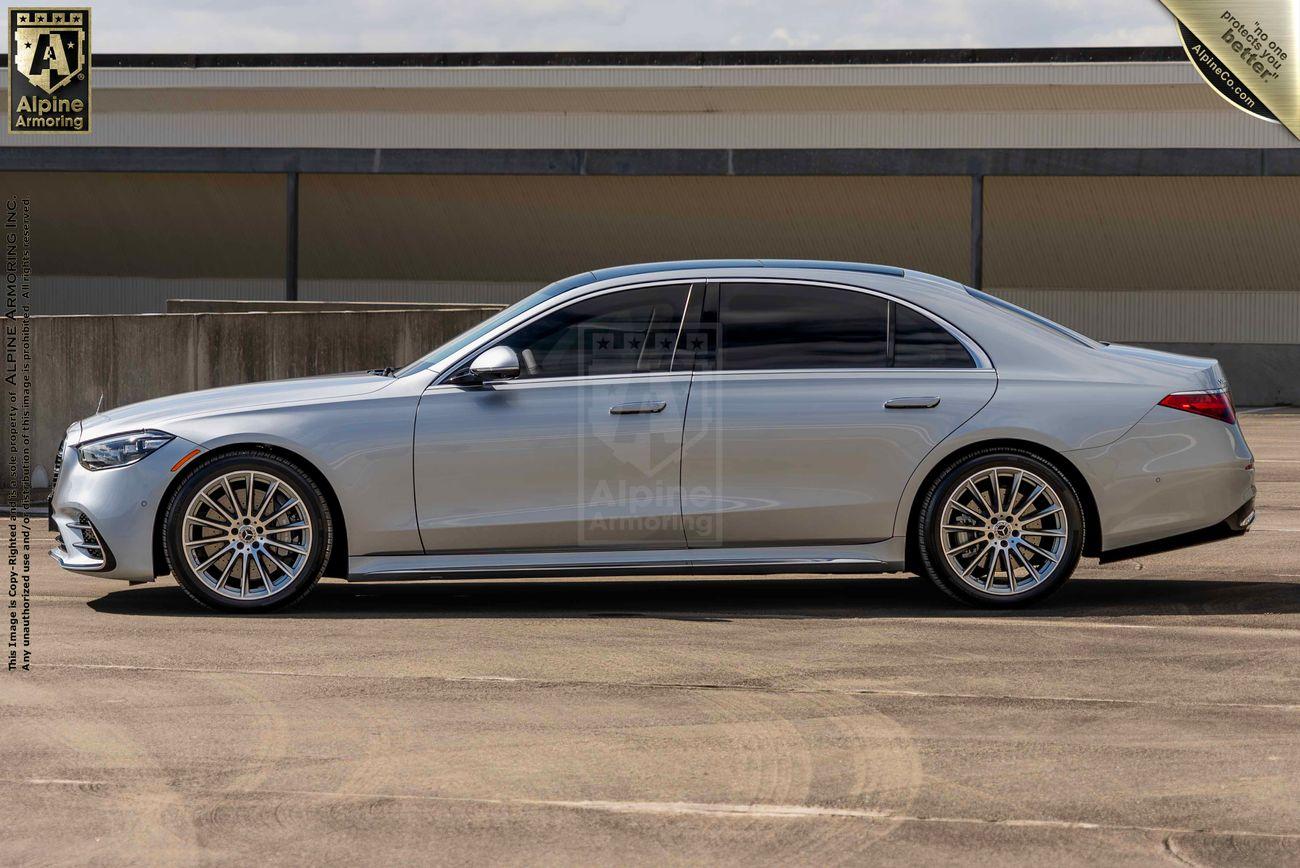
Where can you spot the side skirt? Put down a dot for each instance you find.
(881, 557)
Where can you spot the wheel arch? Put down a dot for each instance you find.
(1092, 518)
(338, 562)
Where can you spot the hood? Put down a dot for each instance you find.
(159, 412)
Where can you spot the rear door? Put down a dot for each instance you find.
(813, 411)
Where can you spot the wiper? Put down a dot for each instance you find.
(382, 372)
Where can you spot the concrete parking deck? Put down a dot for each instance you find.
(1149, 711)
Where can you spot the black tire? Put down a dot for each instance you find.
(1002, 531)
(314, 505)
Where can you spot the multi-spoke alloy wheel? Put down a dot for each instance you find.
(247, 534)
(1000, 528)
(247, 531)
(1004, 530)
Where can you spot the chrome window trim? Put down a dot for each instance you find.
(667, 376)
(747, 373)
(981, 358)
(855, 372)
(560, 302)
(579, 293)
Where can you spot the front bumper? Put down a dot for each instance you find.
(105, 519)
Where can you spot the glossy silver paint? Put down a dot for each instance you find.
(531, 465)
(812, 457)
(704, 470)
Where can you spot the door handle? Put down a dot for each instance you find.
(912, 403)
(638, 407)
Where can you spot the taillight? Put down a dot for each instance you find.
(1216, 405)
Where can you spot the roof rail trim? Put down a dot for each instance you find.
(827, 265)
(675, 265)
(710, 264)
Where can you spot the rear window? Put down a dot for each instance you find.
(1033, 317)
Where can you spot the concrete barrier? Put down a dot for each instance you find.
(78, 359)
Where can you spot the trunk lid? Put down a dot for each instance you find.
(1192, 372)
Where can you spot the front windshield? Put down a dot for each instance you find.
(464, 339)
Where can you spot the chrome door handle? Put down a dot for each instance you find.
(911, 403)
(638, 407)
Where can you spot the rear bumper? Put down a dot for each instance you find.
(1234, 525)
(1171, 474)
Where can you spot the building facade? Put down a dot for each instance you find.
(1109, 189)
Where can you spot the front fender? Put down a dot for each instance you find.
(362, 448)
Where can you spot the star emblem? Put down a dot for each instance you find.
(603, 343)
(667, 344)
(635, 343)
(697, 344)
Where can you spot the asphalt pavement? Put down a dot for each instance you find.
(1148, 712)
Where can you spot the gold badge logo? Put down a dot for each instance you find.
(49, 71)
(1246, 50)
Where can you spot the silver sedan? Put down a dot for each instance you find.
(755, 416)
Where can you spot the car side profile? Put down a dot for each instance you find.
(730, 416)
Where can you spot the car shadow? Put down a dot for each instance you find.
(708, 600)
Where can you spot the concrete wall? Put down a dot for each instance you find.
(132, 358)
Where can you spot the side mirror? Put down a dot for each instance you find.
(498, 363)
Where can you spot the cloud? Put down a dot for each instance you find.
(785, 39)
(613, 25)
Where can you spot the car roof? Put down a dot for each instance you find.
(618, 271)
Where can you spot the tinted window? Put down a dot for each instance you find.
(632, 331)
(774, 325)
(920, 342)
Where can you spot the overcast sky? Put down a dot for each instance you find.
(592, 25)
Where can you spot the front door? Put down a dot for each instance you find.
(820, 405)
(582, 450)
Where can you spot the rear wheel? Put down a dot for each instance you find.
(1000, 528)
(248, 532)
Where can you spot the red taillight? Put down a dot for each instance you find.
(1216, 405)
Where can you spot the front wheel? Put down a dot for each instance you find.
(1000, 528)
(247, 532)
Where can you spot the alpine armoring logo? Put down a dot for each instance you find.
(49, 71)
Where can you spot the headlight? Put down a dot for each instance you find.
(120, 449)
